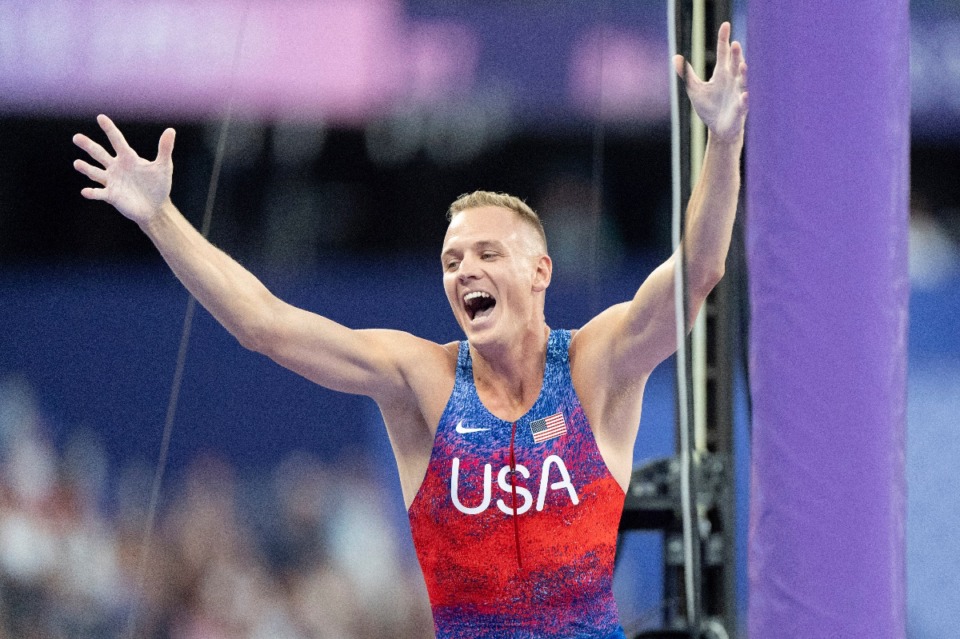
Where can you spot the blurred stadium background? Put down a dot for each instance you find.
(355, 123)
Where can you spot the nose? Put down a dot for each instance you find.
(469, 268)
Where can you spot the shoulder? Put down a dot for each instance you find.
(600, 365)
(403, 342)
(593, 344)
(415, 354)
(427, 368)
(413, 407)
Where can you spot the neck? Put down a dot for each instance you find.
(509, 377)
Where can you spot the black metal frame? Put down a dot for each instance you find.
(654, 499)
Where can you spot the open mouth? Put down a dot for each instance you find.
(478, 304)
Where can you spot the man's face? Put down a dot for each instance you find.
(494, 266)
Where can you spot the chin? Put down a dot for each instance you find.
(490, 335)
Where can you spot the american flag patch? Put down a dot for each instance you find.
(548, 428)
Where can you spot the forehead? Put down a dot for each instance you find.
(486, 224)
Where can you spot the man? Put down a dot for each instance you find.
(550, 417)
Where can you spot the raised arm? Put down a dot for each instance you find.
(361, 362)
(625, 342)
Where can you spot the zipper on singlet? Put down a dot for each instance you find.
(513, 490)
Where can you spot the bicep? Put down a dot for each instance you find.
(633, 337)
(362, 362)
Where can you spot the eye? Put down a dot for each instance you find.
(451, 265)
(488, 255)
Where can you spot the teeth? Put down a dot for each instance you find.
(475, 295)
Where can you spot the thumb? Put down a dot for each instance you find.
(685, 71)
(165, 147)
(678, 64)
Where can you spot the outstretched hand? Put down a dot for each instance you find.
(134, 186)
(722, 102)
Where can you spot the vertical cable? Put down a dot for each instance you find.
(687, 493)
(698, 143)
(177, 382)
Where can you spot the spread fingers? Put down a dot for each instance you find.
(96, 174)
(94, 150)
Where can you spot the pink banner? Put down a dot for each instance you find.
(340, 60)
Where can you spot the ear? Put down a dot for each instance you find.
(544, 272)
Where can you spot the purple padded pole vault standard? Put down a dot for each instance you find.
(827, 201)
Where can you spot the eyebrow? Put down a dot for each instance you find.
(485, 244)
(478, 246)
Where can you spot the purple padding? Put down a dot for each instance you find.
(827, 202)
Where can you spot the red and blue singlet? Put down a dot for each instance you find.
(546, 572)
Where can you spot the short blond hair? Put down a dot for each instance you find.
(478, 199)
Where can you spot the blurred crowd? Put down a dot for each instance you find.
(300, 550)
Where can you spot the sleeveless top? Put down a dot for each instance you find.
(546, 572)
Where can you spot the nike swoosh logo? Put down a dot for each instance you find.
(463, 430)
